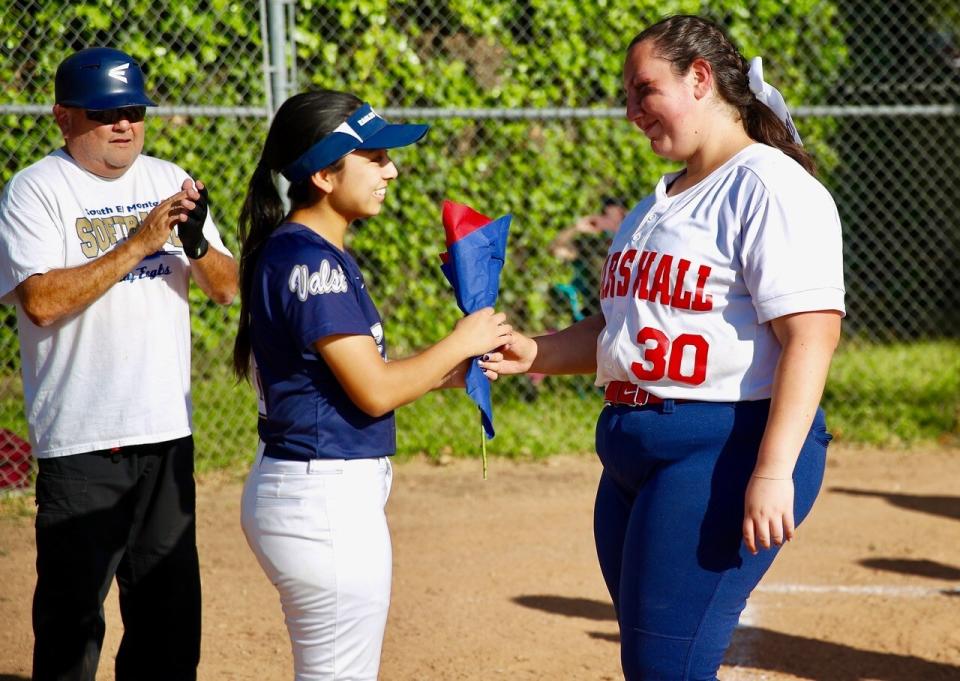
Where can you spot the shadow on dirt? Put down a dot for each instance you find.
(569, 607)
(598, 611)
(917, 568)
(601, 636)
(948, 507)
(810, 658)
(757, 648)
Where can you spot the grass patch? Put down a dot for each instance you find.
(886, 395)
(18, 504)
(895, 394)
(533, 426)
(12, 416)
(224, 421)
(554, 420)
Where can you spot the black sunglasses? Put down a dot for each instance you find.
(134, 114)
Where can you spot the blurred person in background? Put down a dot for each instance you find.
(584, 246)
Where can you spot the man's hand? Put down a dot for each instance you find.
(191, 230)
(154, 230)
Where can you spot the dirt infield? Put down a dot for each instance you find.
(498, 580)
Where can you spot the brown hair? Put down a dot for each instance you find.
(299, 123)
(683, 38)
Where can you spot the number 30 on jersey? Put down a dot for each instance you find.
(684, 359)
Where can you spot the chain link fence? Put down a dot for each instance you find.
(526, 108)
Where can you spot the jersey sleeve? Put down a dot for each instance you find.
(791, 249)
(31, 238)
(317, 298)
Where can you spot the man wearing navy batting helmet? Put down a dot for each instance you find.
(98, 244)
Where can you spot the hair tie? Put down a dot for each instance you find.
(770, 97)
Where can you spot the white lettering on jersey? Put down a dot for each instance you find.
(377, 331)
(325, 280)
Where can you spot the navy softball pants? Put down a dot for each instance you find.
(668, 527)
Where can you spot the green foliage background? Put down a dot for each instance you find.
(499, 54)
(505, 53)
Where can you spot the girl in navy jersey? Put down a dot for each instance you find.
(721, 301)
(313, 505)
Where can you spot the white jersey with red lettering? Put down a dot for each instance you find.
(692, 280)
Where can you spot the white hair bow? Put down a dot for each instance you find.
(770, 96)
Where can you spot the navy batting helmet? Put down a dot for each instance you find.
(100, 78)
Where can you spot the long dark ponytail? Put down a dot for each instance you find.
(683, 38)
(299, 123)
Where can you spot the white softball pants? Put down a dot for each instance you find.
(319, 531)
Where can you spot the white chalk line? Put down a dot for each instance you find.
(750, 618)
(750, 614)
(860, 590)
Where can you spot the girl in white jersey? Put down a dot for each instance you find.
(721, 301)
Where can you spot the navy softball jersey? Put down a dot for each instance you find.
(306, 289)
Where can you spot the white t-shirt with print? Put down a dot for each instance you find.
(692, 281)
(118, 372)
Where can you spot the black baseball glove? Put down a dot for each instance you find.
(191, 230)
